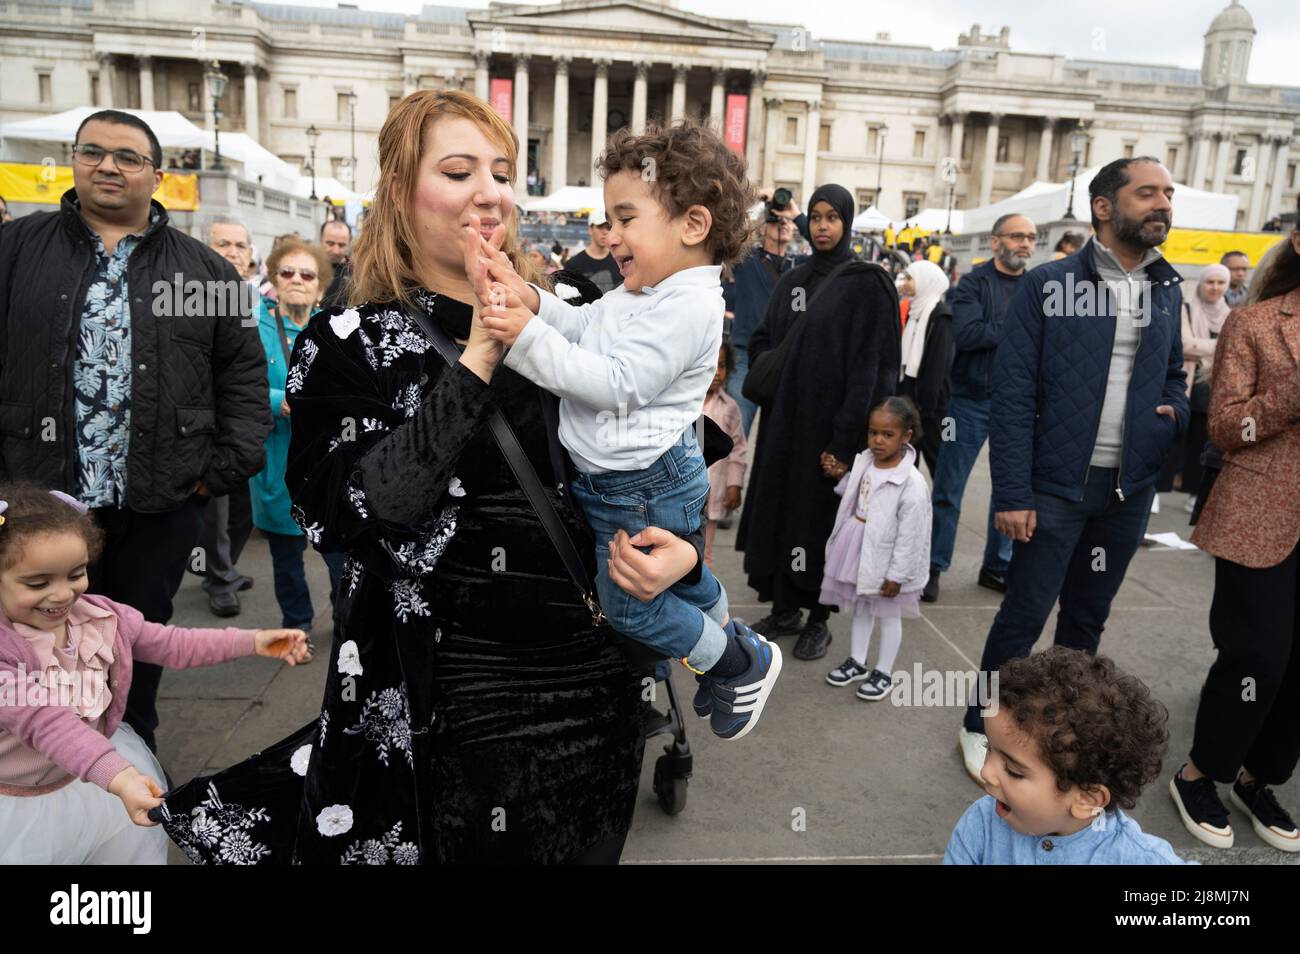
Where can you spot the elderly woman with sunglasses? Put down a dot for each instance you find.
(300, 273)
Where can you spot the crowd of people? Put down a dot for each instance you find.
(514, 460)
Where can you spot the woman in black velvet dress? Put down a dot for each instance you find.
(473, 712)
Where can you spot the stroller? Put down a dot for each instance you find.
(673, 768)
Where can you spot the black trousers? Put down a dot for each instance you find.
(227, 524)
(1249, 715)
(788, 597)
(142, 565)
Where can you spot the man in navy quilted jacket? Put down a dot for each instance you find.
(1088, 394)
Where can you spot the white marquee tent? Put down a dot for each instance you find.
(1049, 201)
(568, 199)
(870, 219)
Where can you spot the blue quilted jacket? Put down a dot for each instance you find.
(1049, 380)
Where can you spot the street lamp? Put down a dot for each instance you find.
(313, 134)
(880, 169)
(216, 87)
(950, 170)
(1078, 143)
(352, 120)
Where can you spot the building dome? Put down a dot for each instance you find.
(1233, 17)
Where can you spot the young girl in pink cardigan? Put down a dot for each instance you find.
(68, 764)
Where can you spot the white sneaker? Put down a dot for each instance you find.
(1190, 506)
(1155, 503)
(974, 747)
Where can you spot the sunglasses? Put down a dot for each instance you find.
(307, 274)
(126, 160)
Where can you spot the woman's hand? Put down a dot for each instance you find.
(832, 467)
(288, 644)
(646, 575)
(138, 793)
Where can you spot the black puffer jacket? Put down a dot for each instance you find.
(200, 406)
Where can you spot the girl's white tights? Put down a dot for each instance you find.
(891, 637)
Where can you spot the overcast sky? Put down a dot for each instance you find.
(1166, 32)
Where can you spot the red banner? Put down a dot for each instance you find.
(501, 98)
(734, 131)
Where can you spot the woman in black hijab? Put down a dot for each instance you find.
(844, 360)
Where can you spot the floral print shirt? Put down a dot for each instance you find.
(102, 377)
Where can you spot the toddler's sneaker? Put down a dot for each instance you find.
(1202, 813)
(738, 700)
(1271, 821)
(850, 671)
(876, 686)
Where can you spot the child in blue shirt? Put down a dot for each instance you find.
(1072, 741)
(632, 371)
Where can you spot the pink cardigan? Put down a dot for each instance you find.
(57, 732)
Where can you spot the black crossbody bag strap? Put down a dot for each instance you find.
(527, 477)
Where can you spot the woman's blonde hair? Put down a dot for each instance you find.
(383, 266)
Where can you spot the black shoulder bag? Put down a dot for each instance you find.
(764, 376)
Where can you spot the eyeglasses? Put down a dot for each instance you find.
(287, 273)
(1018, 236)
(224, 244)
(126, 160)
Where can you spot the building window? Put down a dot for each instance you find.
(94, 89)
(918, 144)
(1290, 175)
(46, 93)
(866, 198)
(1171, 159)
(1128, 150)
(792, 130)
(196, 99)
(912, 203)
(824, 138)
(874, 141)
(290, 104)
(344, 101)
(393, 101)
(1239, 164)
(1004, 149)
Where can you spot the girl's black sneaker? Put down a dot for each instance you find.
(876, 687)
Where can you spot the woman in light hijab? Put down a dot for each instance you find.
(1203, 317)
(927, 351)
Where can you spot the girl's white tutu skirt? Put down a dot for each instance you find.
(80, 823)
(840, 582)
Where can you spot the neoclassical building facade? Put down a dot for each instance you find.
(878, 117)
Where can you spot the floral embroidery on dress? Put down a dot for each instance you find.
(312, 530)
(418, 558)
(298, 370)
(334, 820)
(386, 721)
(382, 851)
(408, 401)
(324, 725)
(349, 663)
(369, 424)
(352, 574)
(407, 599)
(219, 830)
(357, 497)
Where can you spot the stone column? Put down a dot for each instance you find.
(1280, 159)
(1200, 159)
(716, 101)
(1263, 159)
(678, 110)
(1221, 160)
(990, 158)
(811, 136)
(958, 136)
(481, 60)
(754, 132)
(252, 123)
(521, 122)
(642, 71)
(560, 127)
(599, 114)
(772, 132)
(106, 81)
(146, 82)
(1045, 149)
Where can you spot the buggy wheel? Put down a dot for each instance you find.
(670, 789)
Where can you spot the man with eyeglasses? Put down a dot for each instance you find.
(107, 393)
(979, 303)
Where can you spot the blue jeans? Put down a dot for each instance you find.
(683, 622)
(1064, 560)
(291, 590)
(956, 458)
(735, 381)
